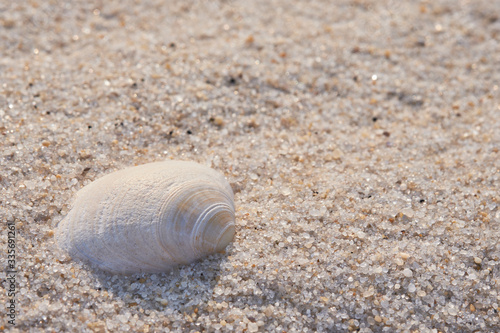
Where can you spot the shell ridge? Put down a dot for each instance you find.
(172, 199)
(164, 259)
(123, 232)
(197, 233)
(97, 248)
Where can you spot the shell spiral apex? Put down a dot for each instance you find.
(150, 218)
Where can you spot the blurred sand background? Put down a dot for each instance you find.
(361, 139)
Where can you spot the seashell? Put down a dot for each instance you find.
(150, 218)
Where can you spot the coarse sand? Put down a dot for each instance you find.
(361, 139)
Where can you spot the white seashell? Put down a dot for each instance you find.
(150, 218)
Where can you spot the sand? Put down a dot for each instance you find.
(361, 139)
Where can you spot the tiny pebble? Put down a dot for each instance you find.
(452, 310)
(421, 293)
(407, 272)
(253, 327)
(399, 262)
(404, 255)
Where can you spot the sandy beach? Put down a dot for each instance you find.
(361, 140)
